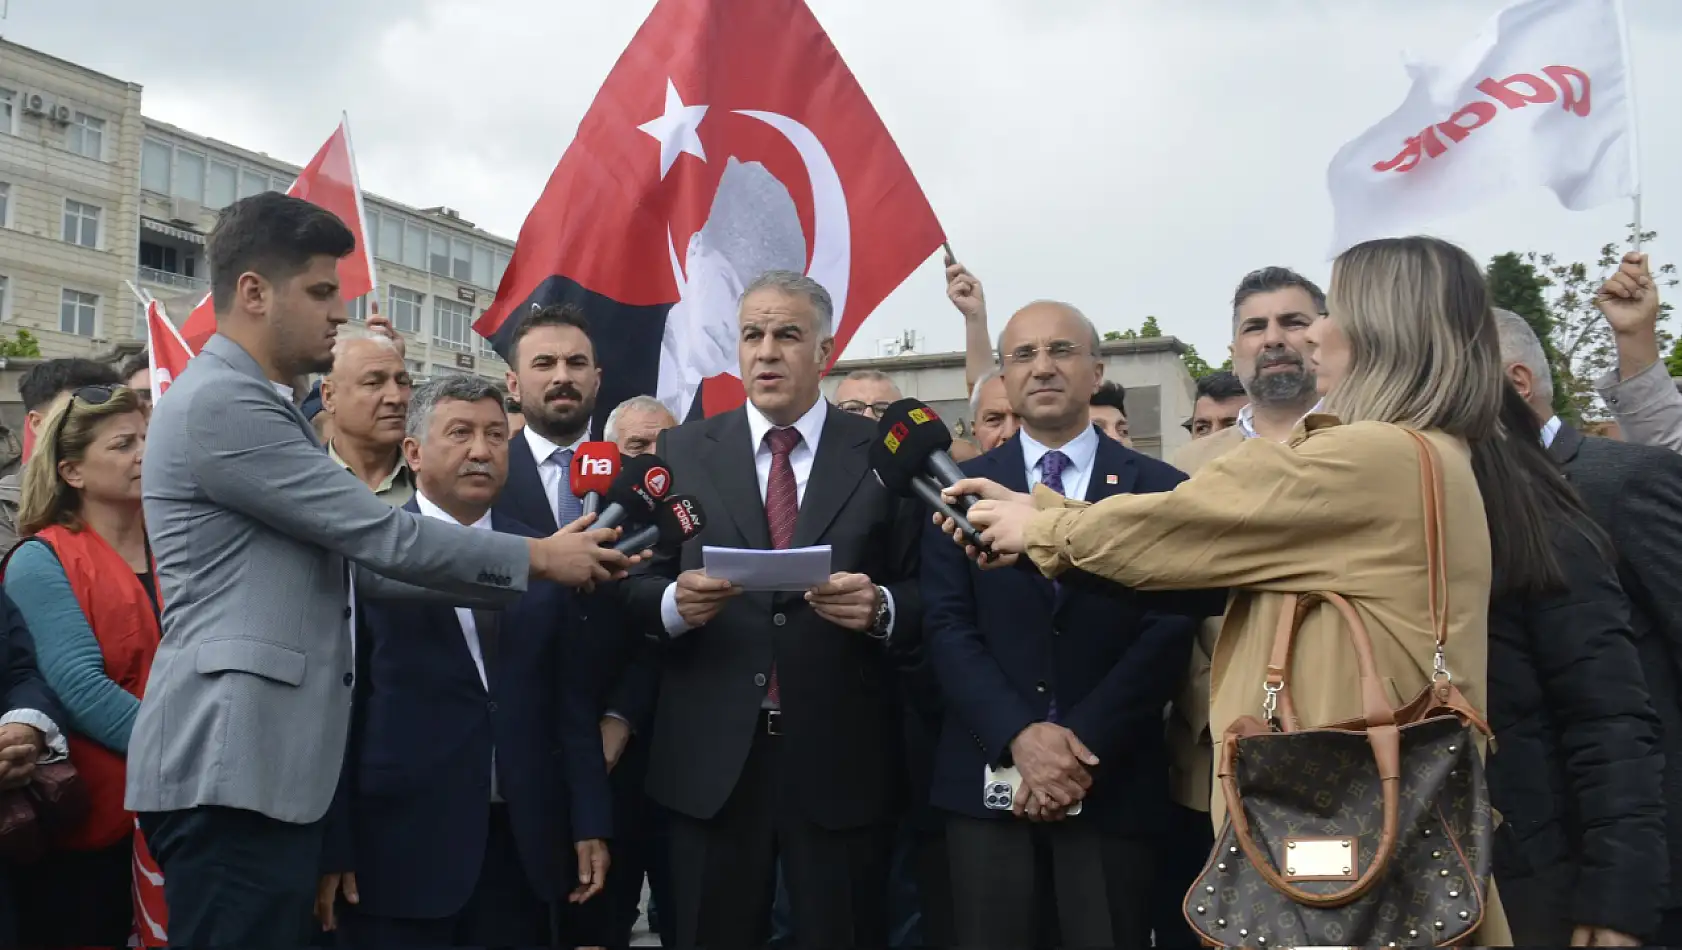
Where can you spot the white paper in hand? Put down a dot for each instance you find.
(791, 569)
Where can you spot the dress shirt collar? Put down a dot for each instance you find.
(1550, 431)
(431, 510)
(1246, 418)
(809, 425)
(542, 449)
(286, 392)
(1081, 450)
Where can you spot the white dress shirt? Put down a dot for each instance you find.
(464, 615)
(554, 475)
(1247, 418)
(800, 459)
(1550, 431)
(1081, 451)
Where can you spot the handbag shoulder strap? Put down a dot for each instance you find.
(1436, 557)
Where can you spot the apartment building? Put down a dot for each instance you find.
(93, 195)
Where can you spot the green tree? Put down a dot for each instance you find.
(1196, 365)
(22, 345)
(1515, 285)
(1579, 336)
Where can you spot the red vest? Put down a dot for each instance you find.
(117, 608)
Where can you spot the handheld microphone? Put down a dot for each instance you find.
(910, 459)
(594, 466)
(676, 520)
(642, 482)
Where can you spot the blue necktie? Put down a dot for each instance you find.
(567, 506)
(1052, 466)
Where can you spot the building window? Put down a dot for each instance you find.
(280, 184)
(486, 349)
(5, 298)
(8, 111)
(77, 312)
(405, 307)
(5, 205)
(388, 243)
(81, 223)
(414, 247)
(358, 309)
(440, 254)
(482, 266)
(154, 166)
(452, 325)
(189, 175)
(223, 185)
(500, 269)
(86, 136)
(461, 260)
(251, 183)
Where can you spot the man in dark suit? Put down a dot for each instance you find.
(1067, 681)
(1634, 492)
(554, 375)
(474, 791)
(777, 732)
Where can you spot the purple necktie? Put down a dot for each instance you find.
(1052, 466)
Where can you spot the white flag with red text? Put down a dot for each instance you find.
(166, 351)
(1541, 97)
(329, 181)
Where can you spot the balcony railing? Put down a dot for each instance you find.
(151, 275)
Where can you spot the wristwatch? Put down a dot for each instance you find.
(879, 624)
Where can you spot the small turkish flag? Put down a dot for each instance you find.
(329, 180)
(730, 139)
(166, 351)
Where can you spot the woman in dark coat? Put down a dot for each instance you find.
(1575, 771)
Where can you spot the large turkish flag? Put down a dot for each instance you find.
(729, 139)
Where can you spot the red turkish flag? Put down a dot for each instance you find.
(729, 139)
(329, 180)
(166, 351)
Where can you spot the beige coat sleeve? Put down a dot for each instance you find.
(1265, 516)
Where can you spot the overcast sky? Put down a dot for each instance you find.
(1131, 156)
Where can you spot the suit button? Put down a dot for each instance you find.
(350, 678)
(779, 619)
(1040, 687)
(759, 679)
(347, 611)
(490, 706)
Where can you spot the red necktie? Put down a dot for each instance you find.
(782, 510)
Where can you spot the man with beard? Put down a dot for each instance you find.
(1272, 310)
(554, 377)
(366, 399)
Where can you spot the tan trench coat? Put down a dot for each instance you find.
(1338, 508)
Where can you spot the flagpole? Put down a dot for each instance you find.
(361, 212)
(1634, 119)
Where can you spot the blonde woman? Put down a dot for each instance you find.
(1409, 342)
(83, 580)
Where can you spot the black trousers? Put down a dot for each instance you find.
(724, 869)
(503, 911)
(640, 849)
(934, 887)
(77, 898)
(1015, 882)
(235, 878)
(1181, 853)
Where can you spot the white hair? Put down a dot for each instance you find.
(610, 430)
(1520, 344)
(795, 284)
(351, 335)
(975, 394)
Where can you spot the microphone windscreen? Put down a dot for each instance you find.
(594, 467)
(907, 434)
(643, 480)
(679, 518)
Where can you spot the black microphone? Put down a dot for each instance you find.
(910, 459)
(642, 482)
(676, 520)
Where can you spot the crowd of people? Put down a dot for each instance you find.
(358, 664)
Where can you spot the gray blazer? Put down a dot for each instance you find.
(252, 525)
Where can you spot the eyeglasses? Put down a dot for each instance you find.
(858, 408)
(1060, 351)
(89, 395)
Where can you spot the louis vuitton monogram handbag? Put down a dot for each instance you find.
(1370, 832)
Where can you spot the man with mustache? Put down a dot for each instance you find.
(474, 793)
(1272, 310)
(554, 377)
(366, 400)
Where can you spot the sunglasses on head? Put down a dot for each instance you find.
(87, 395)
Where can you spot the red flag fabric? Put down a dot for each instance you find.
(166, 352)
(151, 914)
(729, 139)
(329, 180)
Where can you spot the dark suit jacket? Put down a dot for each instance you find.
(841, 754)
(21, 684)
(416, 789)
(1005, 641)
(1634, 492)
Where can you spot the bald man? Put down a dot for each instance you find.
(365, 398)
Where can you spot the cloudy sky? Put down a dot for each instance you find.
(1132, 156)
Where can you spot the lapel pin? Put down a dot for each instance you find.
(1110, 479)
